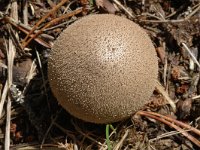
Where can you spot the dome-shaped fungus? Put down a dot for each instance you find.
(103, 68)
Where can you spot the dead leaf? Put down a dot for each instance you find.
(106, 5)
(161, 54)
(156, 102)
(183, 108)
(182, 89)
(13, 128)
(158, 10)
(84, 4)
(20, 72)
(175, 73)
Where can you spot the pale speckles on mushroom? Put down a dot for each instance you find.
(103, 68)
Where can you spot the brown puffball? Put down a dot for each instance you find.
(103, 68)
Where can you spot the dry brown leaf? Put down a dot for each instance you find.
(184, 108)
(175, 73)
(106, 5)
(161, 54)
(84, 4)
(20, 72)
(158, 10)
(182, 89)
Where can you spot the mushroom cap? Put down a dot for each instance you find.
(103, 68)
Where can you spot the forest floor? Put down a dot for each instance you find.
(31, 117)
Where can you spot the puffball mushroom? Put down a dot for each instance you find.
(103, 68)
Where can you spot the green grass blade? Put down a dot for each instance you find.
(107, 136)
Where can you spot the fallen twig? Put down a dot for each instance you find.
(123, 8)
(3, 97)
(43, 19)
(173, 123)
(196, 9)
(10, 61)
(192, 56)
(7, 135)
(10, 55)
(86, 135)
(48, 130)
(120, 143)
(25, 12)
(24, 30)
(160, 88)
(65, 16)
(177, 122)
